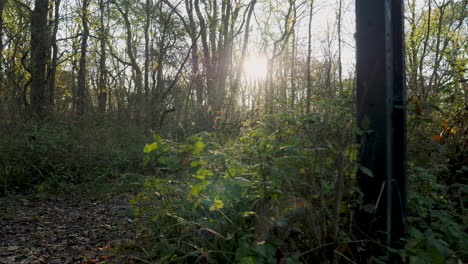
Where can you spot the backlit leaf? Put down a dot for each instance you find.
(366, 171)
(198, 147)
(217, 204)
(150, 147)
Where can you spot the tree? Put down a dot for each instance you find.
(52, 74)
(81, 87)
(2, 5)
(130, 48)
(103, 33)
(279, 45)
(39, 51)
(309, 56)
(238, 74)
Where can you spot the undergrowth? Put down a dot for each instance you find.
(57, 156)
(266, 195)
(269, 196)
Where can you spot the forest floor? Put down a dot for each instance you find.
(76, 229)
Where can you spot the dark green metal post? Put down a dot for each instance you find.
(381, 96)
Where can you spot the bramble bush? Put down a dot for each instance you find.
(267, 196)
(264, 197)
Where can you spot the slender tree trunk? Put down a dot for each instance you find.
(74, 64)
(293, 71)
(102, 86)
(197, 77)
(340, 66)
(339, 185)
(240, 66)
(137, 76)
(284, 70)
(156, 105)
(422, 85)
(309, 56)
(53, 64)
(2, 5)
(224, 55)
(39, 51)
(278, 48)
(208, 60)
(269, 89)
(438, 51)
(81, 88)
(412, 51)
(147, 44)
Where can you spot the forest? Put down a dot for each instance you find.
(222, 131)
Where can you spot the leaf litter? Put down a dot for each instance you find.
(71, 230)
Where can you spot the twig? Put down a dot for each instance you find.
(126, 256)
(315, 248)
(348, 259)
(380, 196)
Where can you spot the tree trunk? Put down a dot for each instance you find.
(39, 52)
(81, 89)
(309, 55)
(148, 5)
(340, 67)
(53, 64)
(137, 76)
(293, 71)
(278, 47)
(102, 86)
(240, 66)
(224, 55)
(2, 5)
(197, 77)
(208, 61)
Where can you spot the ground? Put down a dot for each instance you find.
(65, 230)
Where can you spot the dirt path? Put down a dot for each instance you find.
(56, 230)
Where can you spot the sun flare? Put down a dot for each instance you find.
(255, 68)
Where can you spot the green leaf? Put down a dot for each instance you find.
(146, 160)
(198, 176)
(202, 173)
(248, 213)
(158, 138)
(217, 204)
(198, 147)
(416, 260)
(366, 171)
(247, 260)
(293, 260)
(172, 163)
(195, 190)
(194, 163)
(150, 147)
(242, 182)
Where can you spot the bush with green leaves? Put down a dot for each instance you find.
(269, 196)
(43, 157)
(438, 221)
(260, 198)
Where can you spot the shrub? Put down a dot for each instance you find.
(40, 156)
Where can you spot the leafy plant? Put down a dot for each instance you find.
(51, 156)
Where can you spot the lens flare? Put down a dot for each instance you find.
(255, 68)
